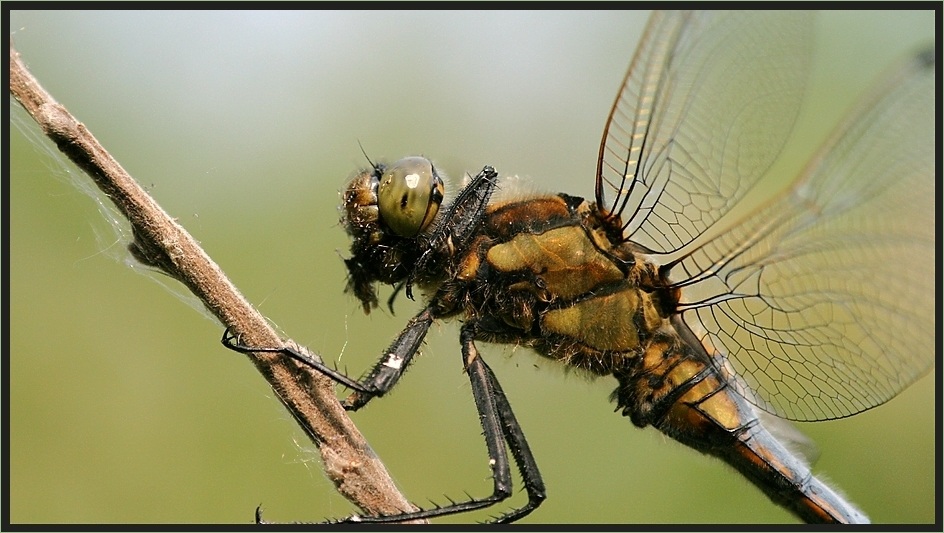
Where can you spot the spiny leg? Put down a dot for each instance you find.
(500, 429)
(394, 361)
(379, 380)
(518, 444)
(458, 226)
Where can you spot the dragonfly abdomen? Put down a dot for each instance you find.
(679, 392)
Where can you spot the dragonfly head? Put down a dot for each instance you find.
(385, 209)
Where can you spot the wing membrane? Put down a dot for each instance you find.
(822, 302)
(705, 109)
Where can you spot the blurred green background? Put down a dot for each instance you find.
(244, 126)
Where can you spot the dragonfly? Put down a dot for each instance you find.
(718, 326)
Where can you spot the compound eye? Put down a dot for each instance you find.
(410, 195)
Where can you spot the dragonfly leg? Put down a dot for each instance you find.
(378, 381)
(459, 225)
(501, 430)
(493, 407)
(392, 363)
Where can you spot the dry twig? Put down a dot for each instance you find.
(161, 243)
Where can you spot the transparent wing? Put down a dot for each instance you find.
(821, 303)
(705, 108)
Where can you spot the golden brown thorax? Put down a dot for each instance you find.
(545, 269)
